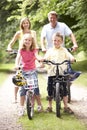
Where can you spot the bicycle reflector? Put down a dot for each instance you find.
(19, 81)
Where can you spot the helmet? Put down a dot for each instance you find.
(19, 80)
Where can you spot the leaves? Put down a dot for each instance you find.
(72, 12)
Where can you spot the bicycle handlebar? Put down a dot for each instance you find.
(52, 62)
(11, 52)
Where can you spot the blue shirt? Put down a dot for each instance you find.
(48, 31)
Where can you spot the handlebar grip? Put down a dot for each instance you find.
(70, 49)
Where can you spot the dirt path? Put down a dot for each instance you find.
(79, 102)
(8, 110)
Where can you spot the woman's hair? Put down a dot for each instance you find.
(57, 34)
(21, 23)
(22, 45)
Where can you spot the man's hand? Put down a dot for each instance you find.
(75, 47)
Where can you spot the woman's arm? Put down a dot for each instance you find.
(17, 60)
(14, 39)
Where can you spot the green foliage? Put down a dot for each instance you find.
(79, 11)
(72, 12)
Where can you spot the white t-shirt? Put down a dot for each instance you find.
(48, 31)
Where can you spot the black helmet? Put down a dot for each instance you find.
(19, 80)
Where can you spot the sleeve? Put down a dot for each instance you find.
(69, 55)
(43, 32)
(67, 30)
(47, 55)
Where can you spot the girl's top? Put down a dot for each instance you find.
(58, 56)
(28, 59)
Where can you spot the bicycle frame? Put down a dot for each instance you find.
(57, 82)
(28, 84)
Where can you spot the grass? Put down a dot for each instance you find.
(49, 121)
(81, 66)
(5, 70)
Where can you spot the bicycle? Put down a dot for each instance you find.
(28, 84)
(58, 84)
(11, 55)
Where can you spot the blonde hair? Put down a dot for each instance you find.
(22, 45)
(22, 21)
(52, 13)
(57, 34)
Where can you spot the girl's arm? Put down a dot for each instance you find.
(17, 60)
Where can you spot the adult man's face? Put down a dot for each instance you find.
(53, 20)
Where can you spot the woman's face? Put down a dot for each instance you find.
(57, 41)
(25, 24)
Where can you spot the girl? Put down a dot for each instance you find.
(25, 27)
(28, 54)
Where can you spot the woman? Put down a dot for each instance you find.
(25, 26)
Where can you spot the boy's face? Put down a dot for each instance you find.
(57, 41)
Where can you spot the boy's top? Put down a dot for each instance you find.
(58, 56)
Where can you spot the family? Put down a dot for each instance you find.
(53, 44)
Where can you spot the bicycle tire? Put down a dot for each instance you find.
(69, 92)
(58, 101)
(30, 109)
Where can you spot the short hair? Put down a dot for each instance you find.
(53, 13)
(57, 34)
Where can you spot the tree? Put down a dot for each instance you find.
(72, 12)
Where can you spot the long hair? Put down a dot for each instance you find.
(33, 45)
(21, 23)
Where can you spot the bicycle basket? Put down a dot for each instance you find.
(19, 81)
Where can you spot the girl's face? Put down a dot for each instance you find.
(25, 24)
(27, 41)
(57, 41)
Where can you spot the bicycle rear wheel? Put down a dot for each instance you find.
(69, 92)
(29, 106)
(58, 101)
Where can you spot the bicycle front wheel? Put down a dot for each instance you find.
(29, 106)
(58, 101)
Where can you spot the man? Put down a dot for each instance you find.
(52, 27)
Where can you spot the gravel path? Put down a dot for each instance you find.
(8, 110)
(79, 102)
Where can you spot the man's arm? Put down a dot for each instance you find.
(43, 44)
(73, 39)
